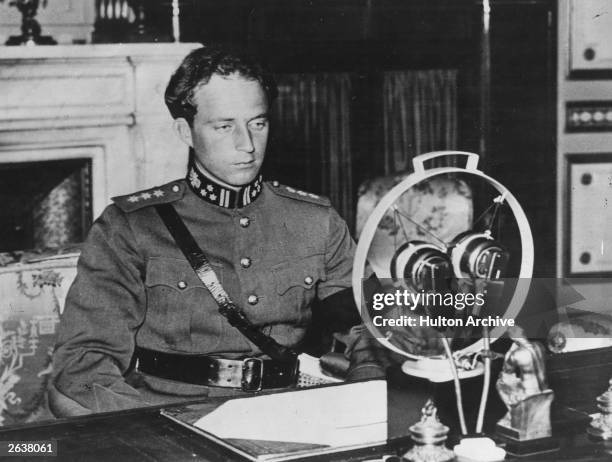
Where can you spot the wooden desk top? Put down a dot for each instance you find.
(144, 436)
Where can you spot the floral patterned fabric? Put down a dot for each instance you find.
(441, 206)
(32, 291)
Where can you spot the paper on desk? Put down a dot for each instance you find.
(354, 413)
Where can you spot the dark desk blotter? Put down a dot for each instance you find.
(252, 449)
(262, 450)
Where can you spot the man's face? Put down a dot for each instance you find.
(230, 128)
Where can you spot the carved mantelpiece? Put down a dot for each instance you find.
(103, 102)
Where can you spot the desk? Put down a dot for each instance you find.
(143, 435)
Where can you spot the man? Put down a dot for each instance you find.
(139, 325)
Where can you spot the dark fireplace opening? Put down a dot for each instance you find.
(44, 204)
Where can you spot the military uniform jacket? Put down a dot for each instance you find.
(274, 249)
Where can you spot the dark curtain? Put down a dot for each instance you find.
(310, 145)
(419, 115)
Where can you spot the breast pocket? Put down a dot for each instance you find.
(296, 285)
(179, 308)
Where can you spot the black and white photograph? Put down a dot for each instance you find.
(327, 230)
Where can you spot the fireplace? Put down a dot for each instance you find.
(78, 126)
(45, 204)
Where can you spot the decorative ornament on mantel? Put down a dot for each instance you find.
(30, 28)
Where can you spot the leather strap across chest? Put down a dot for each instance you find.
(202, 267)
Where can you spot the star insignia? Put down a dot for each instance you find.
(145, 195)
(158, 193)
(203, 192)
(213, 197)
(253, 193)
(209, 187)
(133, 199)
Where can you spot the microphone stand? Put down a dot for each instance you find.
(486, 355)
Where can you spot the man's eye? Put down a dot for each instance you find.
(258, 124)
(223, 128)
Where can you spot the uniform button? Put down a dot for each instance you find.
(308, 280)
(245, 262)
(176, 188)
(181, 284)
(253, 299)
(245, 221)
(276, 184)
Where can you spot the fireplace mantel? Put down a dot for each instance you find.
(103, 102)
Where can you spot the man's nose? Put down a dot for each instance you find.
(243, 140)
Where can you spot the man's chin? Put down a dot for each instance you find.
(242, 180)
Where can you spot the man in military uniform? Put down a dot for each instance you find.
(139, 326)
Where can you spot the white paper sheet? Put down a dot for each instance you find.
(343, 415)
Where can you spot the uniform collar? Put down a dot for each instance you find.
(215, 193)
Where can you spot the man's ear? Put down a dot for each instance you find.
(183, 130)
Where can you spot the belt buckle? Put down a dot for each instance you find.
(252, 374)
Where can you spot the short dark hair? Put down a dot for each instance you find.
(200, 65)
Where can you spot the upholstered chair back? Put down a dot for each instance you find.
(33, 288)
(442, 206)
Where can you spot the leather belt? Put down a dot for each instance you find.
(249, 374)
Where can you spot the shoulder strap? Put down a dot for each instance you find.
(200, 264)
(298, 194)
(167, 193)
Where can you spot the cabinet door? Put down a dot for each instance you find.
(522, 133)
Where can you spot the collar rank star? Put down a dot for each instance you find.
(211, 191)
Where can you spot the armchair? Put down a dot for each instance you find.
(33, 288)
